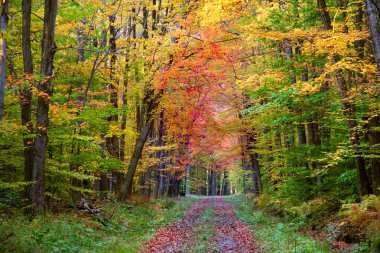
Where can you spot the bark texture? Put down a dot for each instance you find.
(26, 94)
(373, 15)
(45, 91)
(3, 52)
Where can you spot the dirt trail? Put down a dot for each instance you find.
(207, 226)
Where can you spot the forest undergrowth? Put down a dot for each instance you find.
(355, 228)
(128, 226)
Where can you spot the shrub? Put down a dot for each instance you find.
(271, 206)
(166, 203)
(364, 214)
(361, 221)
(316, 212)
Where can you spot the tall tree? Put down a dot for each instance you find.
(373, 14)
(45, 92)
(26, 92)
(4, 5)
(349, 111)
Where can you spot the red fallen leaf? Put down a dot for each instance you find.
(229, 235)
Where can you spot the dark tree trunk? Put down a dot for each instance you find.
(26, 94)
(212, 187)
(326, 20)
(253, 176)
(26, 46)
(187, 182)
(214, 183)
(159, 191)
(374, 140)
(174, 185)
(253, 162)
(103, 184)
(3, 52)
(373, 16)
(146, 190)
(301, 142)
(146, 176)
(256, 174)
(126, 187)
(244, 178)
(359, 26)
(45, 90)
(244, 161)
(301, 131)
(113, 141)
(226, 184)
(312, 134)
(349, 112)
(301, 134)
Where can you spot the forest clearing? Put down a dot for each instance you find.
(190, 126)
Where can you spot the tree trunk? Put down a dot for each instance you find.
(26, 95)
(113, 141)
(349, 112)
(301, 134)
(212, 190)
(373, 16)
(188, 168)
(214, 185)
(126, 187)
(3, 52)
(161, 155)
(174, 185)
(313, 141)
(256, 174)
(326, 20)
(45, 91)
(147, 183)
(359, 45)
(244, 162)
(226, 184)
(374, 140)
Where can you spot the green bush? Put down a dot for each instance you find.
(166, 203)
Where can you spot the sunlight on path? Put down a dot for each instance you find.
(208, 226)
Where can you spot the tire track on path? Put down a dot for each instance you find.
(171, 238)
(210, 225)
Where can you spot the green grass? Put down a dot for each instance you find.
(275, 235)
(204, 238)
(129, 227)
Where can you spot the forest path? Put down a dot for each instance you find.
(210, 225)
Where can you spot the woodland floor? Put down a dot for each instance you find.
(210, 225)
